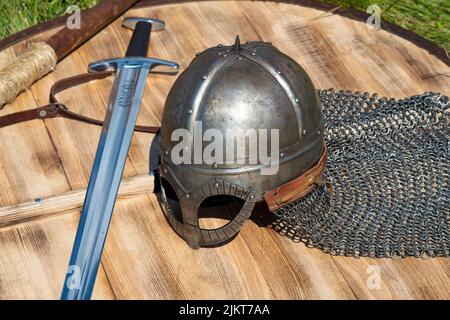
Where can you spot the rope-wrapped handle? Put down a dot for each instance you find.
(38, 60)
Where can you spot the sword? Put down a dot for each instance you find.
(112, 150)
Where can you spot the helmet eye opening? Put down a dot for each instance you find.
(218, 210)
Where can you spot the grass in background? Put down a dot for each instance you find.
(17, 15)
(428, 18)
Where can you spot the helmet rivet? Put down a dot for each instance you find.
(220, 53)
(204, 77)
(252, 197)
(239, 58)
(225, 55)
(189, 111)
(165, 170)
(220, 45)
(187, 196)
(215, 166)
(282, 155)
(166, 152)
(216, 185)
(253, 53)
(297, 100)
(305, 132)
(278, 71)
(42, 113)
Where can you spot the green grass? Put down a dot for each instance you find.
(16, 15)
(428, 18)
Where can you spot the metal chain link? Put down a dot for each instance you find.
(388, 163)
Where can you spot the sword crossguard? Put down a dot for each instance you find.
(115, 63)
(137, 50)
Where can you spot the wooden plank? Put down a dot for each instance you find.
(257, 265)
(69, 201)
(34, 259)
(344, 54)
(292, 270)
(143, 257)
(29, 163)
(409, 278)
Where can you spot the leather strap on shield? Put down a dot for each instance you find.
(57, 109)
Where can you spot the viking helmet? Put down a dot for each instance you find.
(230, 88)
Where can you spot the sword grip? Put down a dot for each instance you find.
(140, 40)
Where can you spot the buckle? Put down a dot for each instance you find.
(51, 110)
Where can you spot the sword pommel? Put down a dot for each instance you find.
(130, 23)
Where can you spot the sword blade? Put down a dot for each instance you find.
(105, 179)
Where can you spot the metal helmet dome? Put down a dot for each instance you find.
(252, 88)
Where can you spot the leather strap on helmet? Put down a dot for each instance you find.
(57, 109)
(298, 187)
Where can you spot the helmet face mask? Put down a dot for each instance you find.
(186, 223)
(252, 91)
